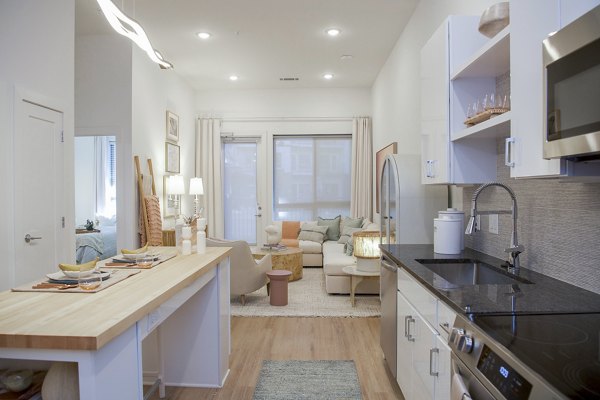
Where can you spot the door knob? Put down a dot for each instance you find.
(29, 238)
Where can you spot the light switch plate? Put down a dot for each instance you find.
(493, 223)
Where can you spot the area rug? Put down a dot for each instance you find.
(295, 380)
(307, 298)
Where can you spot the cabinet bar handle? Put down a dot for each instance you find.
(408, 334)
(507, 147)
(431, 352)
(406, 318)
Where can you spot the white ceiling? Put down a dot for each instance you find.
(262, 41)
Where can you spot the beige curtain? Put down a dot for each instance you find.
(208, 166)
(361, 195)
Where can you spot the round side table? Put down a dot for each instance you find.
(279, 286)
(289, 259)
(356, 277)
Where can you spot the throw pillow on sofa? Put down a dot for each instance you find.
(313, 233)
(349, 246)
(333, 233)
(347, 233)
(348, 222)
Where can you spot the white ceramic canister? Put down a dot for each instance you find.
(446, 235)
(453, 213)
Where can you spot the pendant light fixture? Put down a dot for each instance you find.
(131, 29)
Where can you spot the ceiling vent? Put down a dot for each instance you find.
(289, 79)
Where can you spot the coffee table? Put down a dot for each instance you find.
(357, 277)
(289, 259)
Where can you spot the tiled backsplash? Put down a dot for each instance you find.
(558, 223)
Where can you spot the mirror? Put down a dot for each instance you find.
(95, 197)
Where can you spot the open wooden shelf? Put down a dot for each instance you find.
(495, 127)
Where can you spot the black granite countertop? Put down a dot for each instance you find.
(545, 295)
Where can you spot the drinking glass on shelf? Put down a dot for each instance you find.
(479, 107)
(90, 281)
(488, 101)
(470, 111)
(506, 102)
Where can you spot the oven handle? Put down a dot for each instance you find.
(470, 386)
(462, 392)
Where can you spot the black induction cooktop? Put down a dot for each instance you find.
(563, 348)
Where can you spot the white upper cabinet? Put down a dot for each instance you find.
(458, 66)
(531, 21)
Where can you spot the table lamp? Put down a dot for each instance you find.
(366, 250)
(197, 189)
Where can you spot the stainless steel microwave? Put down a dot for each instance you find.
(572, 89)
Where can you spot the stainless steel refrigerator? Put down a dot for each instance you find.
(407, 209)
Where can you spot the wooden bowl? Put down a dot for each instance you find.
(494, 19)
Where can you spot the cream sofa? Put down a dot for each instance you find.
(331, 256)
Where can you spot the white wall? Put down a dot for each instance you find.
(284, 103)
(37, 47)
(396, 91)
(154, 92)
(103, 100)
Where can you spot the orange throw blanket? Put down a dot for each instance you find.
(289, 233)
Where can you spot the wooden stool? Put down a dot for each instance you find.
(279, 287)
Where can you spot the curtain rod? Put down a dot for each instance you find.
(286, 119)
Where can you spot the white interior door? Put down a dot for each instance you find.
(243, 208)
(38, 190)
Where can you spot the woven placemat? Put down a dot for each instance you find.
(108, 263)
(116, 276)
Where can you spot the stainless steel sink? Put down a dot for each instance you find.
(471, 272)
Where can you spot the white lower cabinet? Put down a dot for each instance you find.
(405, 347)
(423, 356)
(422, 369)
(442, 388)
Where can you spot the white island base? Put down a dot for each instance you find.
(194, 341)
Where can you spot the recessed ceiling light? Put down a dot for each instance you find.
(346, 57)
(233, 78)
(328, 76)
(333, 31)
(204, 35)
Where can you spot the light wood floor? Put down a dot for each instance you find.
(254, 339)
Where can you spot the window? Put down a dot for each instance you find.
(311, 177)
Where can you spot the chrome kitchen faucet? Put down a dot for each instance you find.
(515, 248)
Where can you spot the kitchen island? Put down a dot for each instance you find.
(187, 297)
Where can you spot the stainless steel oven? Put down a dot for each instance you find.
(572, 89)
(483, 369)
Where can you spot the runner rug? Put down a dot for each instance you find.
(300, 380)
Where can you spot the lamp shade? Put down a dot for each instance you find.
(196, 186)
(176, 185)
(366, 244)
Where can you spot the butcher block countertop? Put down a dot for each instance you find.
(88, 321)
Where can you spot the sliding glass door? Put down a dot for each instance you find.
(240, 189)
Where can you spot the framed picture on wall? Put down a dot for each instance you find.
(172, 127)
(171, 158)
(379, 160)
(169, 209)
